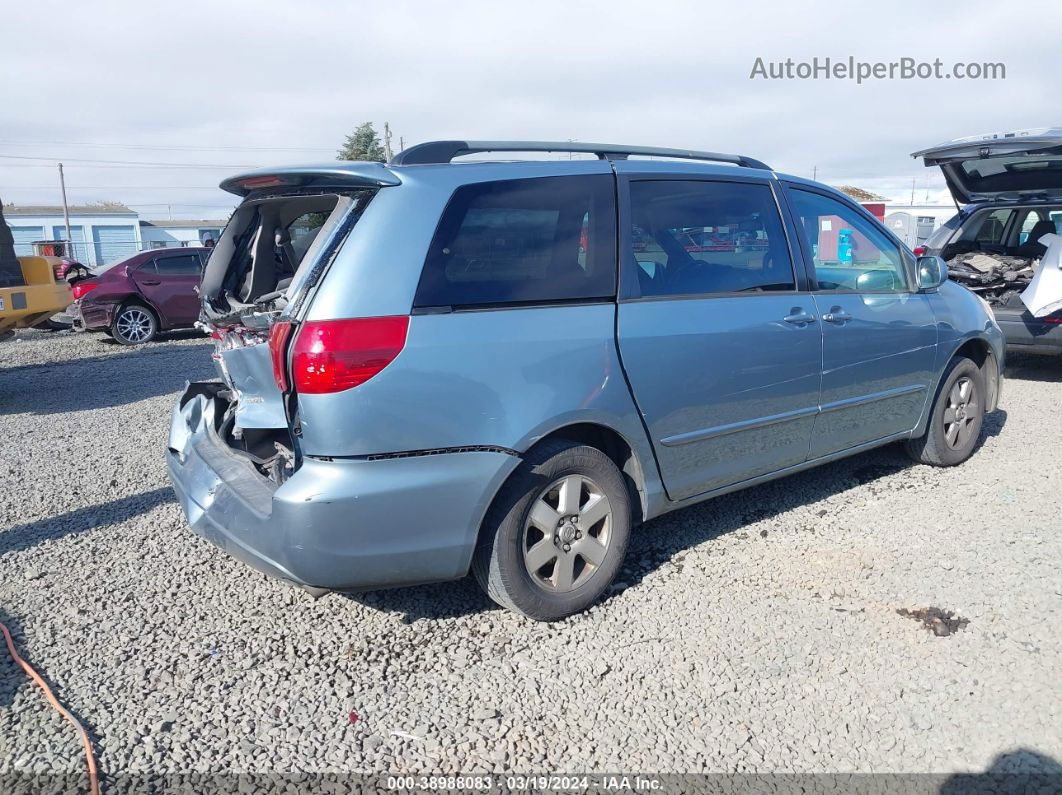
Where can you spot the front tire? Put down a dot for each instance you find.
(556, 535)
(134, 324)
(956, 418)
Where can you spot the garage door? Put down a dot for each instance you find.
(113, 243)
(78, 249)
(24, 238)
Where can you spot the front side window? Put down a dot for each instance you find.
(698, 238)
(523, 241)
(850, 252)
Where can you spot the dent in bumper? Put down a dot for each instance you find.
(91, 315)
(334, 524)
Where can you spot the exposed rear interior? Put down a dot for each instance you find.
(995, 251)
(272, 250)
(261, 250)
(1012, 231)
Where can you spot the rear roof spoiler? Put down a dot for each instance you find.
(445, 151)
(342, 174)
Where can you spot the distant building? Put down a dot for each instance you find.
(914, 223)
(104, 233)
(99, 233)
(166, 234)
(874, 204)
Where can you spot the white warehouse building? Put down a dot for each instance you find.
(99, 234)
(164, 234)
(104, 233)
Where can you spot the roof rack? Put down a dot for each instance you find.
(445, 151)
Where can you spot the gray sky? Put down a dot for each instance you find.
(127, 76)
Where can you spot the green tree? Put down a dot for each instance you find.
(362, 144)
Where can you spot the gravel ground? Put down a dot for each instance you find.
(758, 632)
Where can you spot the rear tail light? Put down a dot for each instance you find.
(278, 349)
(333, 355)
(1054, 319)
(80, 289)
(919, 251)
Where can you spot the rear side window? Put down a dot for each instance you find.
(178, 265)
(523, 241)
(303, 231)
(698, 238)
(992, 227)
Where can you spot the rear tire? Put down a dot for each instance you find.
(955, 419)
(134, 324)
(556, 534)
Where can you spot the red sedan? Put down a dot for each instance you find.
(138, 297)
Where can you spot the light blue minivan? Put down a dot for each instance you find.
(441, 364)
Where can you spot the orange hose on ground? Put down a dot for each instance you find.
(90, 759)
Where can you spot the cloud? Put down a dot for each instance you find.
(249, 74)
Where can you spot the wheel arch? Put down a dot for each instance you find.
(619, 450)
(139, 300)
(980, 352)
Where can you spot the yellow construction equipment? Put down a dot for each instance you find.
(32, 303)
(30, 293)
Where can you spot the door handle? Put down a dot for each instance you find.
(798, 316)
(836, 315)
(151, 284)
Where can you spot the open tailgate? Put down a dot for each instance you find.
(1025, 165)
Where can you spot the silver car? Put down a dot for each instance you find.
(429, 366)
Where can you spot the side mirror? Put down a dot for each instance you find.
(932, 272)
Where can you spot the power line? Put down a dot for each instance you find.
(125, 162)
(171, 148)
(115, 187)
(78, 165)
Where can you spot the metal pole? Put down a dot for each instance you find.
(66, 215)
(387, 141)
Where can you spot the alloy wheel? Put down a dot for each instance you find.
(567, 533)
(960, 413)
(134, 324)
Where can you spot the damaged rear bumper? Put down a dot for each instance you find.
(92, 316)
(335, 524)
(1024, 332)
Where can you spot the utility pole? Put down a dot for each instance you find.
(912, 190)
(387, 141)
(814, 172)
(66, 214)
(401, 143)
